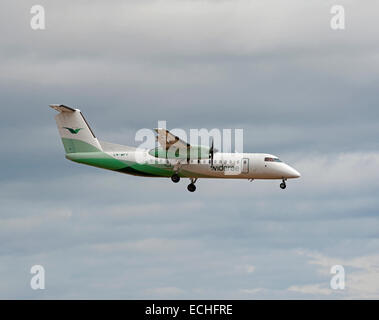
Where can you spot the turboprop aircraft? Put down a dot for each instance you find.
(174, 158)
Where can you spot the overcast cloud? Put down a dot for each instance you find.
(276, 69)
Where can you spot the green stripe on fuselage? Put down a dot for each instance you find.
(82, 152)
(135, 172)
(92, 156)
(96, 159)
(74, 145)
(105, 161)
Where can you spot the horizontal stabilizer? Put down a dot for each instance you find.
(62, 108)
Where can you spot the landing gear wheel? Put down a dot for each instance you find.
(191, 187)
(175, 178)
(283, 185)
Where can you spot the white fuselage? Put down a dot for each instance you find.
(225, 165)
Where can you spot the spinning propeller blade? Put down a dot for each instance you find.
(211, 152)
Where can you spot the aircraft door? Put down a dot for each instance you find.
(245, 165)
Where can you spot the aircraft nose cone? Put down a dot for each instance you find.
(292, 173)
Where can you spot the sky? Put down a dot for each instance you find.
(276, 69)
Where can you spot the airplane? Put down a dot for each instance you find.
(168, 160)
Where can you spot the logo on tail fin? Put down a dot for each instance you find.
(73, 131)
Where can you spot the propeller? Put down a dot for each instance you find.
(211, 152)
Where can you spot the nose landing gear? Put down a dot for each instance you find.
(191, 187)
(283, 184)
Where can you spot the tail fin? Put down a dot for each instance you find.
(74, 130)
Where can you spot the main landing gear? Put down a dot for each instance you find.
(283, 184)
(175, 178)
(191, 187)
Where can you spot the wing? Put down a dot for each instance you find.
(167, 139)
(181, 149)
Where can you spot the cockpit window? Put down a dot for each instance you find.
(269, 159)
